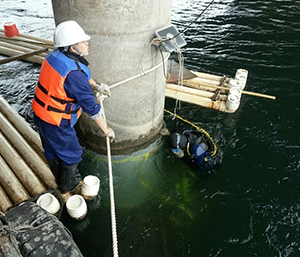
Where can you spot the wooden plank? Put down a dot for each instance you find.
(23, 56)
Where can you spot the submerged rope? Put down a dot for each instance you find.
(214, 152)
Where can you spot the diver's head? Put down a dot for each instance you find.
(178, 144)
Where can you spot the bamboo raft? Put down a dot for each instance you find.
(23, 169)
(198, 88)
(210, 91)
(24, 47)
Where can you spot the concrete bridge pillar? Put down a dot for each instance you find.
(121, 32)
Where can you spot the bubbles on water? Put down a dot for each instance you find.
(282, 226)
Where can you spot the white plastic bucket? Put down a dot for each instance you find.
(76, 207)
(90, 187)
(233, 99)
(49, 203)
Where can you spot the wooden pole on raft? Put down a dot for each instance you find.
(23, 127)
(37, 39)
(11, 184)
(5, 202)
(11, 52)
(23, 56)
(19, 167)
(192, 83)
(25, 42)
(205, 82)
(208, 76)
(33, 160)
(204, 88)
(25, 49)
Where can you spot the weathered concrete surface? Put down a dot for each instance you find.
(121, 32)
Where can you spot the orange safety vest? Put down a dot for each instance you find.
(50, 102)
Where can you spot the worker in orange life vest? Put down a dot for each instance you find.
(65, 89)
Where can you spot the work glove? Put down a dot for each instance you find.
(103, 89)
(110, 134)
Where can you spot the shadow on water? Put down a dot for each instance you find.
(250, 206)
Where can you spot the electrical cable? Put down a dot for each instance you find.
(193, 21)
(164, 66)
(189, 25)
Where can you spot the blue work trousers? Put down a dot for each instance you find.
(59, 142)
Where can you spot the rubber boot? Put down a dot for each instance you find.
(70, 178)
(55, 167)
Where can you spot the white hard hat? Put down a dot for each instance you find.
(69, 33)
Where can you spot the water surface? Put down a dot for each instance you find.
(250, 206)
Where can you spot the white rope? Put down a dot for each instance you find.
(141, 74)
(111, 186)
(111, 190)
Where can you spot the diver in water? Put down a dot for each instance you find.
(194, 147)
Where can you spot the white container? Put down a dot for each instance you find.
(235, 91)
(90, 187)
(233, 99)
(241, 76)
(49, 203)
(234, 83)
(76, 207)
